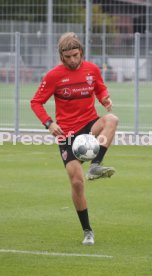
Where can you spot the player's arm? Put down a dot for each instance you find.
(101, 91)
(55, 129)
(44, 92)
(107, 103)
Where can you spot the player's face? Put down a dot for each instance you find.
(72, 58)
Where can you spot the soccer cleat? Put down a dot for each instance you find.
(98, 171)
(88, 237)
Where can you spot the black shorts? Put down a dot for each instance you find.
(66, 147)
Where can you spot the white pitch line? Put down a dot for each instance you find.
(55, 254)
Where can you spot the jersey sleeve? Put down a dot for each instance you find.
(44, 92)
(101, 90)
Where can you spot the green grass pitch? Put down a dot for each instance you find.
(37, 214)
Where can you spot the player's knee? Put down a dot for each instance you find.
(78, 185)
(112, 119)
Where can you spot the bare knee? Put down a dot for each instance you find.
(111, 119)
(77, 185)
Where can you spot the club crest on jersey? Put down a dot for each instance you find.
(89, 79)
(64, 155)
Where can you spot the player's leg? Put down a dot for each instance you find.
(104, 129)
(75, 173)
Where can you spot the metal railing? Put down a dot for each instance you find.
(22, 69)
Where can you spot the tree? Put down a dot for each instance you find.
(99, 18)
(23, 10)
(69, 11)
(65, 11)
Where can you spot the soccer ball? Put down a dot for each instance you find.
(85, 147)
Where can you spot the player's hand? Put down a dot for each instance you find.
(107, 103)
(55, 129)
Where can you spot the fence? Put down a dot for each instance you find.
(23, 68)
(106, 30)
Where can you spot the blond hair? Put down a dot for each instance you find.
(69, 41)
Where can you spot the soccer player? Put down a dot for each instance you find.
(74, 84)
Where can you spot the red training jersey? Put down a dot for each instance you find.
(74, 92)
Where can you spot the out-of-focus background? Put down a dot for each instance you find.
(117, 36)
(40, 234)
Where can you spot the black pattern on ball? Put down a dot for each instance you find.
(82, 149)
(96, 149)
